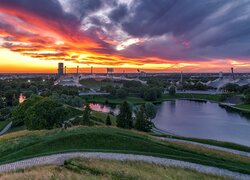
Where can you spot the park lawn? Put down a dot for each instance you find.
(244, 107)
(101, 117)
(165, 97)
(3, 124)
(83, 168)
(101, 139)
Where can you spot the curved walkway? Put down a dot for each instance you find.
(241, 153)
(58, 159)
(7, 127)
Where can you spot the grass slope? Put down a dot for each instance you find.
(243, 107)
(209, 142)
(30, 144)
(106, 169)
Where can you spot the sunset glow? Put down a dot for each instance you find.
(36, 35)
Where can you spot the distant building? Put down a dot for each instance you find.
(60, 69)
(22, 98)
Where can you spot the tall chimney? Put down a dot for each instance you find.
(232, 69)
(77, 70)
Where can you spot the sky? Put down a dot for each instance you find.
(150, 35)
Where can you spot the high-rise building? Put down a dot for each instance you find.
(60, 69)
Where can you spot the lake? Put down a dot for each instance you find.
(202, 120)
(205, 120)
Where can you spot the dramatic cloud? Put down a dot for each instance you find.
(129, 32)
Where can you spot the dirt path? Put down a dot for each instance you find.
(59, 159)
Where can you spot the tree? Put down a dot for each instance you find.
(2, 102)
(19, 113)
(143, 122)
(121, 93)
(108, 121)
(45, 114)
(150, 110)
(124, 119)
(86, 116)
(231, 88)
(247, 98)
(172, 90)
(150, 94)
(5, 113)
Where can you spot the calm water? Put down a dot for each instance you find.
(202, 120)
(196, 119)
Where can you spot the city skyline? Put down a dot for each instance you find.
(208, 36)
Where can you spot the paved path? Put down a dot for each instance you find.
(6, 128)
(241, 153)
(58, 159)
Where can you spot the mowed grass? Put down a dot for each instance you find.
(106, 169)
(244, 107)
(101, 117)
(27, 144)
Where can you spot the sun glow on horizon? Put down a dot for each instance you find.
(36, 35)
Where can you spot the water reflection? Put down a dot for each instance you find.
(203, 120)
(113, 109)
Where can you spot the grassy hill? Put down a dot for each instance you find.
(106, 169)
(25, 144)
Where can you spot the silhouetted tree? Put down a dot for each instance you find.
(108, 121)
(124, 119)
(143, 122)
(150, 110)
(86, 116)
